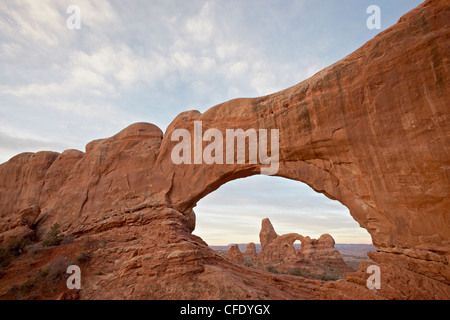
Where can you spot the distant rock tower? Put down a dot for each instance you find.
(250, 252)
(235, 255)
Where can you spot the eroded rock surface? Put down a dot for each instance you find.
(275, 247)
(371, 130)
(250, 253)
(234, 254)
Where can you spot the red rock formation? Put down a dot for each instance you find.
(371, 131)
(235, 255)
(323, 252)
(279, 249)
(267, 233)
(275, 247)
(250, 253)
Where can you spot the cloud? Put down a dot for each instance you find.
(27, 20)
(14, 145)
(201, 26)
(201, 50)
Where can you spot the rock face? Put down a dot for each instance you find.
(371, 130)
(235, 255)
(250, 252)
(322, 251)
(267, 233)
(275, 247)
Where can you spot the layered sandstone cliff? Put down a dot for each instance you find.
(371, 130)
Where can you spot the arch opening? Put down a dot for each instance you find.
(233, 214)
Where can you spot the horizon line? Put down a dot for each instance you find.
(224, 245)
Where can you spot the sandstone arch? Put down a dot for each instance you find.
(275, 247)
(279, 249)
(370, 131)
(355, 132)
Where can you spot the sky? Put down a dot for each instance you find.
(147, 61)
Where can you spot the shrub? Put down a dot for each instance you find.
(13, 248)
(5, 258)
(82, 258)
(68, 240)
(297, 272)
(301, 273)
(329, 276)
(13, 290)
(43, 273)
(53, 238)
(16, 246)
(57, 270)
(26, 287)
(324, 276)
(272, 269)
(34, 249)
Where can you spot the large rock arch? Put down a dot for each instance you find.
(357, 131)
(370, 131)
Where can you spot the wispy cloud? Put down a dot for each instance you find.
(16, 145)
